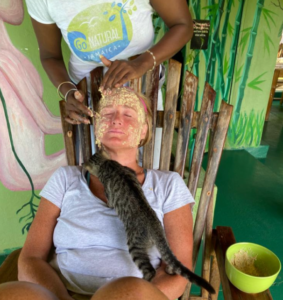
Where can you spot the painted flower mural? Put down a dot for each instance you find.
(25, 113)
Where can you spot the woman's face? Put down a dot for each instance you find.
(120, 124)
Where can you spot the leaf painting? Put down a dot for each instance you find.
(230, 29)
(225, 65)
(29, 214)
(211, 14)
(238, 73)
(267, 42)
(268, 17)
(280, 30)
(254, 83)
(247, 131)
(245, 38)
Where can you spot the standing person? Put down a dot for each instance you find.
(91, 259)
(106, 33)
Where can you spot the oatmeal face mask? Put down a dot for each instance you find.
(121, 97)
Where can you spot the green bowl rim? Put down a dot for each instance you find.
(258, 277)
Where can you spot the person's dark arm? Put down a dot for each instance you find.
(176, 16)
(49, 42)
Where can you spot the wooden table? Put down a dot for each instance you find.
(278, 72)
(224, 238)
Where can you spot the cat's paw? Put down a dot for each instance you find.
(169, 270)
(149, 274)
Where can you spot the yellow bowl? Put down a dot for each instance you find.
(263, 264)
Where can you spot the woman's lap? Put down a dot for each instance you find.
(18, 290)
(126, 288)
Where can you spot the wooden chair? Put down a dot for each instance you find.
(276, 82)
(183, 121)
(207, 124)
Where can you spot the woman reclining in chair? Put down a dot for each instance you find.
(91, 259)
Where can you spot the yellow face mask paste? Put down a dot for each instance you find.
(121, 97)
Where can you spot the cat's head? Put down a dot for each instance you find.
(94, 163)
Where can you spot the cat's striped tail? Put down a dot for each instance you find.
(176, 267)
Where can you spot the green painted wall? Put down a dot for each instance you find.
(243, 45)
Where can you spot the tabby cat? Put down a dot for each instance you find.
(144, 230)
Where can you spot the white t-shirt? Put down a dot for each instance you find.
(115, 29)
(90, 239)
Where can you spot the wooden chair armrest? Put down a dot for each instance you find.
(224, 238)
(9, 268)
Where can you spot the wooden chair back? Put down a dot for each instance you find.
(206, 123)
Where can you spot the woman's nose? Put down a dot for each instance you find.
(117, 119)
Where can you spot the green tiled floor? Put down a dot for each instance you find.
(250, 194)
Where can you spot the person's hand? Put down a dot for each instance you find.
(75, 109)
(121, 71)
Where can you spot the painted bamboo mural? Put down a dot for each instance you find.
(216, 51)
(225, 28)
(220, 85)
(231, 64)
(196, 15)
(221, 57)
(248, 62)
(233, 50)
(211, 62)
(244, 129)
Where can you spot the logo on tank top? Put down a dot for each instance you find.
(102, 29)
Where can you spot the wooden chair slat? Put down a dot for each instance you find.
(151, 92)
(210, 175)
(173, 81)
(69, 135)
(85, 141)
(219, 248)
(202, 131)
(84, 129)
(185, 121)
(136, 84)
(214, 274)
(96, 76)
(195, 119)
(211, 171)
(208, 249)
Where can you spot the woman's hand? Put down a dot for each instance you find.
(75, 108)
(121, 71)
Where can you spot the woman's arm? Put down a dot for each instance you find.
(178, 226)
(32, 265)
(176, 16)
(49, 42)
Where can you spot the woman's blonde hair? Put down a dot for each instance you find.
(148, 119)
